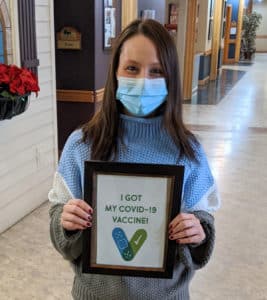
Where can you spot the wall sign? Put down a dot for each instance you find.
(109, 27)
(133, 206)
(69, 38)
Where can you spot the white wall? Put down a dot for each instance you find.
(261, 41)
(28, 142)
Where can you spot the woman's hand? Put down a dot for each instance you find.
(76, 215)
(186, 229)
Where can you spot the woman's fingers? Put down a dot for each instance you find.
(186, 229)
(77, 211)
(82, 204)
(179, 218)
(188, 232)
(190, 240)
(76, 215)
(72, 226)
(184, 225)
(68, 217)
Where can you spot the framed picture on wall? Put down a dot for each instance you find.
(172, 24)
(109, 26)
(173, 14)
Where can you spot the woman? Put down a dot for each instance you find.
(140, 121)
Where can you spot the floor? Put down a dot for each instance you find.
(233, 132)
(215, 91)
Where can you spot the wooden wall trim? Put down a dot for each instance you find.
(99, 94)
(80, 95)
(262, 36)
(227, 33)
(249, 6)
(204, 81)
(216, 39)
(239, 30)
(129, 12)
(207, 52)
(190, 49)
(231, 61)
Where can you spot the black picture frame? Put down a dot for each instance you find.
(110, 11)
(106, 248)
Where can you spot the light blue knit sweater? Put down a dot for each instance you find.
(144, 141)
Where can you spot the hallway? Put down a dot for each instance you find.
(234, 135)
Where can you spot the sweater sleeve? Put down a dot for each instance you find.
(68, 245)
(200, 197)
(196, 257)
(67, 185)
(199, 190)
(71, 164)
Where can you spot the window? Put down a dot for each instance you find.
(28, 48)
(2, 57)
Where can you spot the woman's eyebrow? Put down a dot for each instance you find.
(156, 64)
(130, 61)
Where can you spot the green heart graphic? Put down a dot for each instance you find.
(127, 249)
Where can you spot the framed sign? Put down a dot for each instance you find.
(69, 38)
(110, 11)
(133, 206)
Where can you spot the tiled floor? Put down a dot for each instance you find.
(215, 91)
(234, 134)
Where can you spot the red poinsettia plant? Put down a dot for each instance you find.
(15, 81)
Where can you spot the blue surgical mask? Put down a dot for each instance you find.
(141, 96)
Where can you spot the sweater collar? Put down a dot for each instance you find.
(141, 127)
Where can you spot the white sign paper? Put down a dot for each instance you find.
(132, 220)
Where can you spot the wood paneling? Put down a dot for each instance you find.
(70, 116)
(204, 81)
(28, 141)
(190, 49)
(80, 95)
(24, 203)
(249, 6)
(227, 33)
(129, 12)
(237, 40)
(216, 39)
(207, 52)
(239, 30)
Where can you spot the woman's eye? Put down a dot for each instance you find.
(156, 72)
(131, 69)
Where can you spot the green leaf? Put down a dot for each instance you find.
(6, 94)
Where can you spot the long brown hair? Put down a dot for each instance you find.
(103, 130)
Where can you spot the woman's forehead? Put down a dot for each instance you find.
(139, 48)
